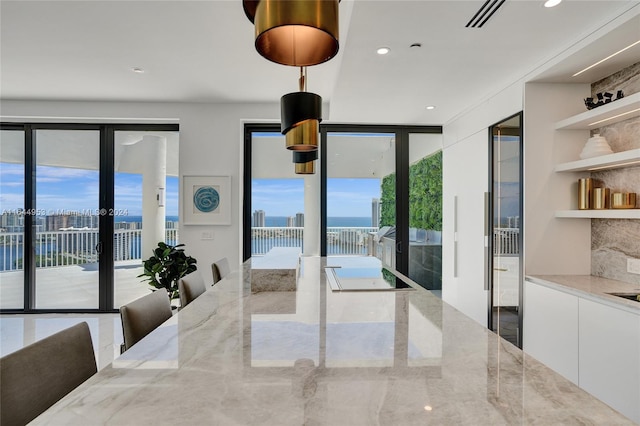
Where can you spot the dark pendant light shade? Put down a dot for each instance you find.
(305, 162)
(295, 32)
(297, 107)
(303, 137)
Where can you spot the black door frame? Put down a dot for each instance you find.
(490, 224)
(106, 201)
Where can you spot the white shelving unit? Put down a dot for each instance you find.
(599, 214)
(619, 110)
(617, 160)
(622, 109)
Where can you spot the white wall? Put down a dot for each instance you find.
(211, 143)
(553, 246)
(465, 173)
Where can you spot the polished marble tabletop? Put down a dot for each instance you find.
(314, 356)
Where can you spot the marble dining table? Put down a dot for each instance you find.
(309, 353)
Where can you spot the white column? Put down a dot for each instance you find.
(311, 245)
(154, 177)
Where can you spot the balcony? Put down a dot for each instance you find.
(67, 265)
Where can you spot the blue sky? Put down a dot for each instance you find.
(77, 190)
(285, 197)
(67, 189)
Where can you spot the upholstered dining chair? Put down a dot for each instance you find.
(190, 286)
(38, 375)
(144, 315)
(220, 269)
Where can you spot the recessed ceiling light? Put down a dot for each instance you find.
(552, 3)
(383, 50)
(608, 57)
(137, 70)
(416, 45)
(430, 107)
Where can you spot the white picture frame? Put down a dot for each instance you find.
(206, 200)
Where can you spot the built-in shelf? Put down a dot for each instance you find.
(617, 160)
(619, 110)
(600, 214)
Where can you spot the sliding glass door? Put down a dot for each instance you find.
(361, 194)
(504, 259)
(67, 188)
(12, 179)
(61, 198)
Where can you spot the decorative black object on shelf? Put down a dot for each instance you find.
(603, 98)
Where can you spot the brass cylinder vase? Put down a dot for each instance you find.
(600, 198)
(585, 188)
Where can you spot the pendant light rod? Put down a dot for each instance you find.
(302, 82)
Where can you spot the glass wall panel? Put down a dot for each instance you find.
(506, 230)
(145, 205)
(279, 219)
(12, 219)
(361, 185)
(67, 213)
(425, 210)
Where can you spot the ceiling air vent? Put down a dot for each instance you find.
(484, 13)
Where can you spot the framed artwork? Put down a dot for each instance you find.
(206, 200)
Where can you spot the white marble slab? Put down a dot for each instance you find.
(340, 358)
(594, 288)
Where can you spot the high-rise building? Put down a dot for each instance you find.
(291, 221)
(56, 222)
(258, 219)
(299, 222)
(375, 212)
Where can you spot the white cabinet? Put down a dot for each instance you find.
(593, 344)
(551, 328)
(609, 356)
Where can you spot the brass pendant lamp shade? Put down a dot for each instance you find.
(297, 107)
(305, 162)
(303, 137)
(295, 32)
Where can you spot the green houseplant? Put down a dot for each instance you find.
(167, 265)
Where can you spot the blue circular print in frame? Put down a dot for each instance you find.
(206, 199)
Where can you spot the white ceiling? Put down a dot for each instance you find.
(202, 51)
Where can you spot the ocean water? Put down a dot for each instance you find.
(281, 221)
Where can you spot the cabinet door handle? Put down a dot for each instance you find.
(487, 215)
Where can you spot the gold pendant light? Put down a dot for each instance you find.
(295, 32)
(305, 162)
(301, 113)
(303, 137)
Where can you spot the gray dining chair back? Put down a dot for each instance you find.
(38, 375)
(190, 287)
(220, 269)
(144, 315)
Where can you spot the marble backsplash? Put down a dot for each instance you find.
(613, 241)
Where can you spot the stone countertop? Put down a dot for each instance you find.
(592, 287)
(314, 356)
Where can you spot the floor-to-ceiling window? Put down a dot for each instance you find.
(68, 191)
(277, 196)
(12, 188)
(361, 181)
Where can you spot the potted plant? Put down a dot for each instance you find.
(167, 265)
